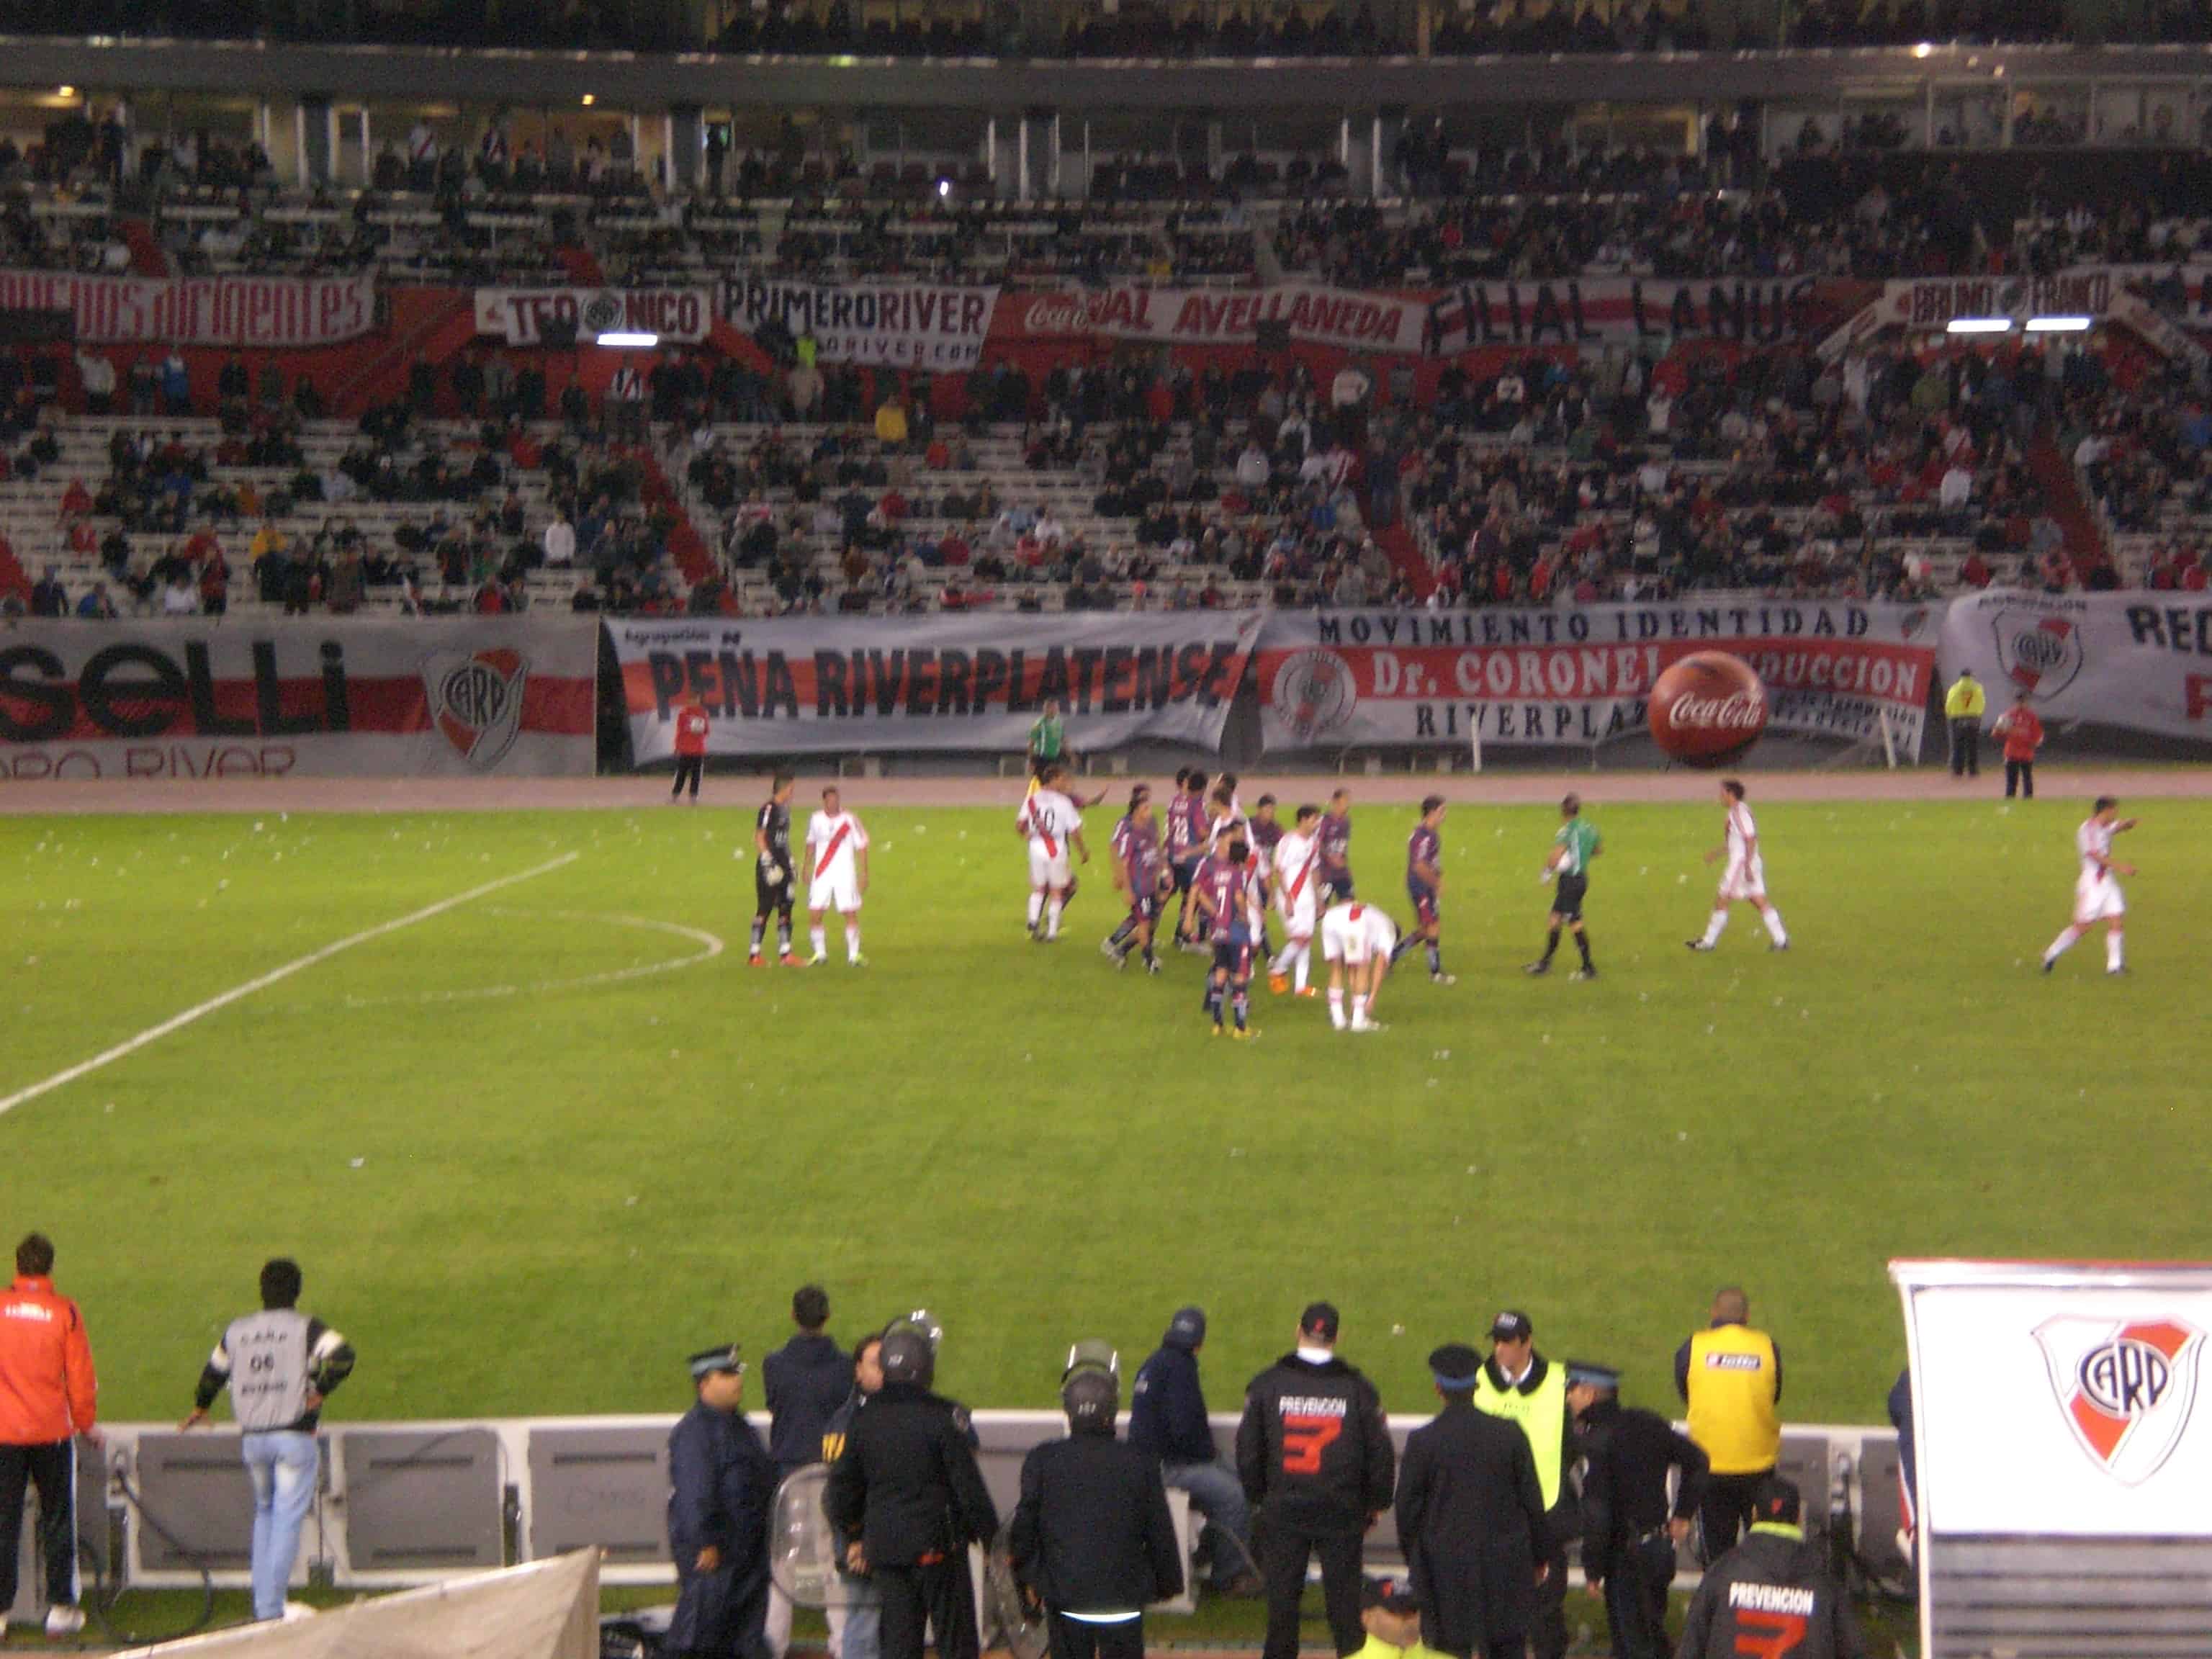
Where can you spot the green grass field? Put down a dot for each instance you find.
(538, 1201)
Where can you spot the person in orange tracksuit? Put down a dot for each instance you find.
(48, 1396)
(2022, 731)
(691, 728)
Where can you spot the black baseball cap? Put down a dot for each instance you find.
(1391, 1595)
(1511, 1327)
(1320, 1318)
(1778, 1499)
(1187, 1328)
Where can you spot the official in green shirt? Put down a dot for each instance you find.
(1964, 705)
(1390, 1613)
(1572, 848)
(1047, 739)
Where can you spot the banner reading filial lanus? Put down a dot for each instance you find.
(330, 697)
(2142, 660)
(1339, 679)
(809, 684)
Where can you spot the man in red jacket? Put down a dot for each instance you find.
(690, 747)
(2022, 732)
(48, 1396)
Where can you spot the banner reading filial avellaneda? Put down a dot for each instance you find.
(1435, 680)
(810, 684)
(2142, 660)
(331, 697)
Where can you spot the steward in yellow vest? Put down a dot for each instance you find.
(1730, 1377)
(1519, 1384)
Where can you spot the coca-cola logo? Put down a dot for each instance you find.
(1740, 711)
(1055, 313)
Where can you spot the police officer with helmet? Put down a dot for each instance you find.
(1630, 1525)
(723, 1483)
(1519, 1384)
(907, 1490)
(1091, 1539)
(1770, 1593)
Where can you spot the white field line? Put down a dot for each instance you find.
(710, 947)
(154, 1034)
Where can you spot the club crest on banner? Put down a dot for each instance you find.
(2039, 654)
(1313, 694)
(476, 702)
(2126, 1388)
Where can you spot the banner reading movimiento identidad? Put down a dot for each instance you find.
(2142, 660)
(334, 696)
(1399, 678)
(808, 684)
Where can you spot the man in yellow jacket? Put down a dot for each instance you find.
(1964, 705)
(1730, 1376)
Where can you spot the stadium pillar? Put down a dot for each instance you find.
(687, 141)
(319, 139)
(1036, 161)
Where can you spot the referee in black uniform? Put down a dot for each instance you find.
(772, 873)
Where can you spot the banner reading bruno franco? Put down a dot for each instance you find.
(808, 684)
(352, 697)
(1338, 679)
(2142, 660)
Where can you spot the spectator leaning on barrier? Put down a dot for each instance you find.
(1167, 1420)
(280, 1365)
(806, 1382)
(1730, 1377)
(48, 1396)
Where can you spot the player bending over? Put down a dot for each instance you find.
(2097, 896)
(1230, 897)
(1049, 821)
(773, 889)
(1424, 880)
(1745, 878)
(1141, 876)
(1356, 941)
(1298, 896)
(837, 877)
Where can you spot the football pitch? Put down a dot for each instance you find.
(535, 1131)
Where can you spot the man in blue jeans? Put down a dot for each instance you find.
(1167, 1419)
(280, 1365)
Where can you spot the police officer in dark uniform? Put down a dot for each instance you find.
(1770, 1593)
(907, 1490)
(1630, 1528)
(722, 1486)
(772, 873)
(1470, 1519)
(1091, 1539)
(1314, 1452)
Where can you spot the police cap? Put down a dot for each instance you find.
(1455, 1366)
(708, 1361)
(1588, 1373)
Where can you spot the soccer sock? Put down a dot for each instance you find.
(1149, 956)
(1775, 930)
(1052, 917)
(1582, 943)
(1551, 944)
(1119, 939)
(1435, 958)
(1241, 1003)
(2114, 961)
(852, 942)
(820, 936)
(760, 926)
(783, 934)
(1301, 963)
(1713, 928)
(1359, 1012)
(2063, 943)
(1403, 945)
(1336, 1007)
(1036, 909)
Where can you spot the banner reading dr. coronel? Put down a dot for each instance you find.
(2142, 660)
(336, 696)
(797, 685)
(1415, 678)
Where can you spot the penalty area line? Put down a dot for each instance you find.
(153, 1034)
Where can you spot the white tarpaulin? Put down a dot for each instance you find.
(2139, 660)
(905, 325)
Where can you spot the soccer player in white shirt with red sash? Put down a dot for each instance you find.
(1296, 877)
(1745, 878)
(837, 877)
(1356, 940)
(2097, 896)
(1051, 825)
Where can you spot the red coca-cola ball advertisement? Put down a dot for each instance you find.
(1708, 709)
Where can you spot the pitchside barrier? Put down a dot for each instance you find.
(401, 1503)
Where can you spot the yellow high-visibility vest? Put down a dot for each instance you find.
(1732, 1414)
(1542, 1414)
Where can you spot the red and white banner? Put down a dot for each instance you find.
(901, 325)
(1732, 309)
(1218, 316)
(518, 315)
(2142, 660)
(269, 312)
(809, 684)
(1435, 680)
(411, 696)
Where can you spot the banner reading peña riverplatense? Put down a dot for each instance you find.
(1340, 679)
(950, 681)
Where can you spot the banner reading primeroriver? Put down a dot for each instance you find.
(2142, 660)
(328, 696)
(802, 684)
(274, 312)
(1336, 679)
(905, 325)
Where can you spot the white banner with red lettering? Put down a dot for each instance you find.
(322, 696)
(2141, 659)
(948, 681)
(1340, 679)
(268, 312)
(518, 315)
(1218, 316)
(902, 324)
